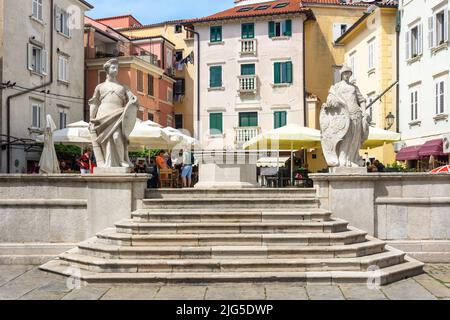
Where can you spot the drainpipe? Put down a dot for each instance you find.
(397, 54)
(305, 123)
(198, 80)
(11, 97)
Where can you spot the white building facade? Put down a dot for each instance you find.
(42, 49)
(424, 72)
(251, 72)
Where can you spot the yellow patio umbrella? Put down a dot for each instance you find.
(378, 137)
(291, 137)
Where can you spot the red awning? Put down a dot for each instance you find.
(409, 153)
(432, 148)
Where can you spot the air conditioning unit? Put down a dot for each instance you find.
(447, 143)
(399, 146)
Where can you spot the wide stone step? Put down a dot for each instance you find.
(382, 276)
(133, 227)
(381, 260)
(155, 215)
(110, 236)
(238, 203)
(229, 193)
(101, 250)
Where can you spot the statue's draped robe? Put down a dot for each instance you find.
(347, 96)
(110, 125)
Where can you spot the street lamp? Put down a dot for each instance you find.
(390, 118)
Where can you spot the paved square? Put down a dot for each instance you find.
(29, 283)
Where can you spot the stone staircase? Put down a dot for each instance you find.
(261, 235)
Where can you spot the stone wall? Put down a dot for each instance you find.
(43, 215)
(411, 211)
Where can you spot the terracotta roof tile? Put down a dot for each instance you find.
(293, 6)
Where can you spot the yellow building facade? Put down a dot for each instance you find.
(370, 50)
(323, 59)
(184, 45)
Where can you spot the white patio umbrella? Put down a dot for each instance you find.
(179, 138)
(76, 134)
(378, 137)
(49, 161)
(147, 135)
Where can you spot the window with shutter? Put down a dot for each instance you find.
(216, 34)
(63, 69)
(283, 72)
(279, 119)
(248, 119)
(140, 81)
(150, 85)
(407, 45)
(247, 69)
(37, 10)
(35, 115)
(431, 38)
(271, 29)
(287, 28)
(215, 77)
(248, 31)
(215, 123)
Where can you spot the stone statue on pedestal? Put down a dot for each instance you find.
(344, 123)
(113, 111)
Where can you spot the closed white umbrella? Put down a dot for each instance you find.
(49, 161)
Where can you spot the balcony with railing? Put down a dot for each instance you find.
(248, 84)
(248, 46)
(245, 134)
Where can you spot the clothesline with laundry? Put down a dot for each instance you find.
(189, 59)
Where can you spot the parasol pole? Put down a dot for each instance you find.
(292, 163)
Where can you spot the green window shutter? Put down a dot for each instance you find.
(248, 119)
(248, 30)
(219, 33)
(288, 28)
(277, 73)
(215, 123)
(247, 69)
(271, 29)
(279, 119)
(215, 77)
(216, 34)
(288, 72)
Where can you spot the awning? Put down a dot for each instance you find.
(409, 153)
(432, 148)
(272, 162)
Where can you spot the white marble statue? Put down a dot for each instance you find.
(344, 123)
(113, 111)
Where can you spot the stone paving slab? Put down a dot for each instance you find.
(8, 273)
(173, 292)
(407, 290)
(54, 290)
(361, 292)
(23, 284)
(29, 283)
(135, 293)
(87, 293)
(324, 292)
(236, 292)
(285, 292)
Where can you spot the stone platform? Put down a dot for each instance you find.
(234, 235)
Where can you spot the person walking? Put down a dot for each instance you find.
(186, 171)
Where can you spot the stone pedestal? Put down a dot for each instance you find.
(117, 170)
(347, 170)
(226, 169)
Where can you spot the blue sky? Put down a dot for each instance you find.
(152, 11)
